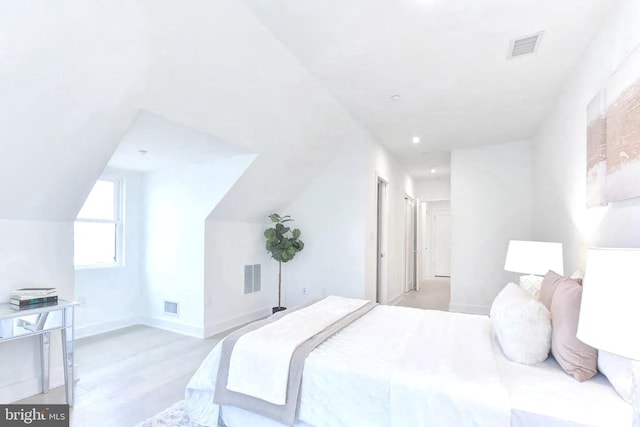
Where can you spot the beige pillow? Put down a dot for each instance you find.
(548, 287)
(574, 356)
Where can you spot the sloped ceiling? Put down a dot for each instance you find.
(153, 142)
(74, 74)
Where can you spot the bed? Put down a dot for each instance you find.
(399, 366)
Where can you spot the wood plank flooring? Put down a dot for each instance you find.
(434, 294)
(129, 375)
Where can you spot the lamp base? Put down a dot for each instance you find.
(531, 284)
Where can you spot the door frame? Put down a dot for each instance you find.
(433, 240)
(382, 240)
(409, 252)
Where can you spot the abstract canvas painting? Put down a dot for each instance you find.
(613, 137)
(596, 151)
(623, 131)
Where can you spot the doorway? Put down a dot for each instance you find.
(381, 240)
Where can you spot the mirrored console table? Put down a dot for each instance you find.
(41, 321)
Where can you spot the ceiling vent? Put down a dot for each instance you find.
(524, 45)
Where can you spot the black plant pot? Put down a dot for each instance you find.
(274, 310)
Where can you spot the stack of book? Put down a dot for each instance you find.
(26, 298)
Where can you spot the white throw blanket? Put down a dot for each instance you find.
(448, 376)
(265, 353)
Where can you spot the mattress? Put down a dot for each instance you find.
(347, 382)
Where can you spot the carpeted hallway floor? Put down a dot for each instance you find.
(434, 293)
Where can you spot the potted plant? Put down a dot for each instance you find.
(283, 244)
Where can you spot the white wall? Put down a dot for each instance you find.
(229, 247)
(559, 152)
(122, 284)
(37, 254)
(491, 193)
(433, 189)
(178, 201)
(381, 163)
(331, 214)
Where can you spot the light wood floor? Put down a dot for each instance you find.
(434, 293)
(129, 375)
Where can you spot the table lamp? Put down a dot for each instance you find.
(534, 259)
(610, 309)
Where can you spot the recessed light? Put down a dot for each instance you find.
(433, 171)
(395, 97)
(416, 139)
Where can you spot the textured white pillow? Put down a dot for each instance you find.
(522, 325)
(618, 371)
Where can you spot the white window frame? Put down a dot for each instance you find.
(118, 211)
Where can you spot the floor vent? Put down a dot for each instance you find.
(171, 308)
(525, 45)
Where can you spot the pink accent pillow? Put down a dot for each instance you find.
(548, 287)
(575, 357)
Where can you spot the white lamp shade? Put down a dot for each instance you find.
(610, 308)
(534, 257)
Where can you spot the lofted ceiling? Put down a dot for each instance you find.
(153, 142)
(447, 60)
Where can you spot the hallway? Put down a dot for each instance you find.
(434, 293)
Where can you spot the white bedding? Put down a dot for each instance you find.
(266, 352)
(355, 379)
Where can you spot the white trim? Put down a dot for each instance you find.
(233, 322)
(101, 328)
(395, 300)
(469, 309)
(118, 221)
(173, 326)
(31, 386)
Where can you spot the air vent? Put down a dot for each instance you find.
(524, 45)
(171, 308)
(252, 278)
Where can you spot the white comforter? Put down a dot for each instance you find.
(393, 367)
(266, 352)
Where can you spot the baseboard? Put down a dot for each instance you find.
(234, 322)
(101, 328)
(32, 386)
(469, 309)
(172, 326)
(395, 300)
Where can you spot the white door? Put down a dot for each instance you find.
(409, 243)
(381, 246)
(442, 242)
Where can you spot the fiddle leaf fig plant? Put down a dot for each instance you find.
(283, 243)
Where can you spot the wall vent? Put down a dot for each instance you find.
(252, 278)
(171, 308)
(524, 45)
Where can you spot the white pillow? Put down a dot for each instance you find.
(522, 325)
(618, 371)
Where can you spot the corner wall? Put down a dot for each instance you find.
(121, 285)
(178, 201)
(33, 254)
(490, 205)
(559, 152)
(381, 163)
(331, 214)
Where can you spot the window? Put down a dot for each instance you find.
(98, 228)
